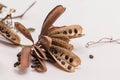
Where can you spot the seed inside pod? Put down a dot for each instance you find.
(71, 60)
(75, 30)
(66, 57)
(70, 31)
(69, 67)
(63, 63)
(65, 32)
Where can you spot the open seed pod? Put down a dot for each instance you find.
(9, 34)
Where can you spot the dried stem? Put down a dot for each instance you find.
(103, 40)
(20, 16)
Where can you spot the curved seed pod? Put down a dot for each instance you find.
(42, 68)
(45, 41)
(37, 62)
(65, 54)
(51, 18)
(61, 37)
(25, 57)
(9, 34)
(52, 28)
(38, 51)
(72, 31)
(23, 30)
(63, 63)
(62, 44)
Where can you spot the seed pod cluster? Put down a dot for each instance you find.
(52, 45)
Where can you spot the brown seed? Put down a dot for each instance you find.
(69, 67)
(66, 57)
(65, 32)
(63, 62)
(59, 59)
(71, 60)
(91, 56)
(75, 30)
(70, 31)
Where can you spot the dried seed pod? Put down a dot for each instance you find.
(61, 37)
(72, 31)
(9, 34)
(45, 41)
(23, 30)
(25, 57)
(39, 52)
(37, 62)
(65, 54)
(42, 67)
(51, 18)
(63, 63)
(62, 44)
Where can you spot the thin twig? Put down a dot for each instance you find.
(20, 16)
(103, 40)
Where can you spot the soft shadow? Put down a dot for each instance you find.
(7, 44)
(20, 71)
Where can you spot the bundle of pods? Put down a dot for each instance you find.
(52, 45)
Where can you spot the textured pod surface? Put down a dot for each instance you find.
(37, 62)
(23, 30)
(51, 18)
(72, 31)
(61, 37)
(9, 34)
(65, 54)
(42, 68)
(62, 43)
(45, 41)
(39, 52)
(63, 63)
(25, 57)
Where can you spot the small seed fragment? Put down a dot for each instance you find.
(91, 56)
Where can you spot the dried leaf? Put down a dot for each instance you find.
(9, 34)
(24, 31)
(31, 29)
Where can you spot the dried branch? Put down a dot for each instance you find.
(20, 16)
(103, 40)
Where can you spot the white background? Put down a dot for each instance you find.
(99, 18)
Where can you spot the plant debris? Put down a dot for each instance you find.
(53, 46)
